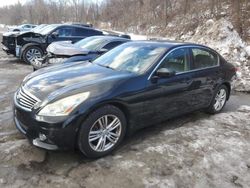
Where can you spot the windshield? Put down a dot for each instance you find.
(91, 43)
(136, 58)
(46, 30)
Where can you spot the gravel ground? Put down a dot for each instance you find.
(196, 150)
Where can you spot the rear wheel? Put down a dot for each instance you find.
(219, 100)
(31, 53)
(102, 131)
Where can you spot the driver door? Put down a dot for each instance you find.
(168, 97)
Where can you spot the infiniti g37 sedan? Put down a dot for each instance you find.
(93, 105)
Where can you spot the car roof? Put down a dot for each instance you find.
(111, 38)
(166, 43)
(79, 26)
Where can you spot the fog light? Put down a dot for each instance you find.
(42, 137)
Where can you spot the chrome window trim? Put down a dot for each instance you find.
(180, 47)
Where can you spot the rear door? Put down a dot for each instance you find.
(205, 73)
(64, 33)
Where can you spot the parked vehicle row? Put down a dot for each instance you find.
(31, 45)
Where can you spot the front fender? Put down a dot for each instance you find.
(26, 46)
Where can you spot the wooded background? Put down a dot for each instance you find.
(131, 15)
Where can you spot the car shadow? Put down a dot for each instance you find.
(135, 138)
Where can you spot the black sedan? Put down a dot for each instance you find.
(93, 105)
(84, 50)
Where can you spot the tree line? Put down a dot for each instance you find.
(134, 15)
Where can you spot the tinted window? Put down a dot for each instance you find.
(91, 43)
(177, 61)
(203, 58)
(86, 32)
(65, 31)
(26, 26)
(111, 45)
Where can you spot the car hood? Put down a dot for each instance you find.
(15, 33)
(66, 48)
(63, 80)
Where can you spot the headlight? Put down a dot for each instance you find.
(64, 106)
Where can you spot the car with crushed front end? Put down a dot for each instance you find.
(84, 50)
(31, 45)
(9, 38)
(93, 105)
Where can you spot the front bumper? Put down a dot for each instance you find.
(59, 135)
(8, 50)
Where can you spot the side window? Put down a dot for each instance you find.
(80, 32)
(203, 58)
(86, 32)
(65, 31)
(26, 26)
(111, 45)
(177, 61)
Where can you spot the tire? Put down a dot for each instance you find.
(31, 53)
(95, 142)
(16, 30)
(216, 106)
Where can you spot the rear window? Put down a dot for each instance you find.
(203, 58)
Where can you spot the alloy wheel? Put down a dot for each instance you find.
(33, 54)
(220, 99)
(105, 133)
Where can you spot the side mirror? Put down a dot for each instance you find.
(164, 73)
(103, 50)
(54, 35)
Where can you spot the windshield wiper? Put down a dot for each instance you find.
(106, 66)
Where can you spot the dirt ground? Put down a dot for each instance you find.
(193, 151)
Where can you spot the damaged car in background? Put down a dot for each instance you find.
(32, 45)
(9, 38)
(84, 50)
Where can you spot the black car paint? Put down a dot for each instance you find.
(144, 99)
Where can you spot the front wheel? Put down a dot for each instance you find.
(102, 132)
(31, 53)
(219, 100)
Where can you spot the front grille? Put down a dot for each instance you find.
(26, 99)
